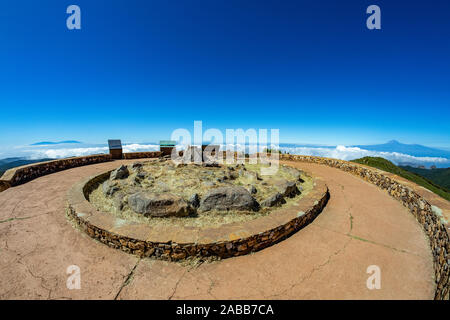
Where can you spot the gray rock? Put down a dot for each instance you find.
(120, 173)
(136, 165)
(289, 189)
(119, 200)
(208, 184)
(159, 205)
(109, 187)
(294, 173)
(194, 200)
(252, 190)
(275, 200)
(228, 198)
(140, 175)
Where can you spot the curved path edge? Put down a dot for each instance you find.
(434, 226)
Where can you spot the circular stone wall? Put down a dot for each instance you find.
(174, 242)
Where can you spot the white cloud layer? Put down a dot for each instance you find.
(57, 153)
(339, 152)
(350, 153)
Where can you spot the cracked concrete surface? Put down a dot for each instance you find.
(361, 226)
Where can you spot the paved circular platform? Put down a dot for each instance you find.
(360, 226)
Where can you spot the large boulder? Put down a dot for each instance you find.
(120, 173)
(159, 205)
(296, 175)
(109, 187)
(274, 201)
(288, 188)
(229, 198)
(119, 200)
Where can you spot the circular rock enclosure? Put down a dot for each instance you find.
(419, 204)
(172, 212)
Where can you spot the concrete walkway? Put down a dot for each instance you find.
(361, 226)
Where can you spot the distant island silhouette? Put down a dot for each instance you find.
(42, 143)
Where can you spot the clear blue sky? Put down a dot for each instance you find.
(139, 69)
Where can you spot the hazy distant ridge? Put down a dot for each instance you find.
(416, 150)
(43, 143)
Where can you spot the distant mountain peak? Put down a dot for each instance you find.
(416, 150)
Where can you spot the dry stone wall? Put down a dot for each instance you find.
(20, 175)
(140, 155)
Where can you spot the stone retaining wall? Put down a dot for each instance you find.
(174, 243)
(140, 155)
(437, 231)
(20, 175)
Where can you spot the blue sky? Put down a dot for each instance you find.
(137, 70)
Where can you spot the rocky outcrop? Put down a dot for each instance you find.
(120, 173)
(229, 198)
(288, 189)
(276, 200)
(109, 187)
(294, 172)
(159, 205)
(119, 200)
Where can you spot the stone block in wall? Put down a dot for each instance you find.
(142, 155)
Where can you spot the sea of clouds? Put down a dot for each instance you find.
(64, 152)
(338, 152)
(350, 153)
